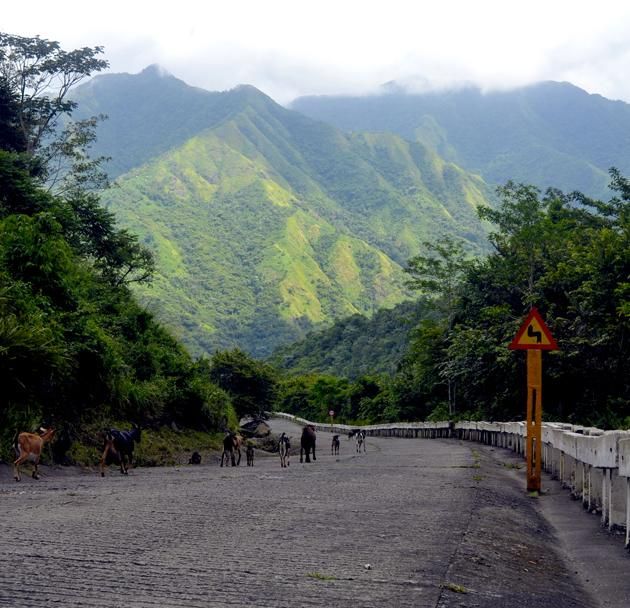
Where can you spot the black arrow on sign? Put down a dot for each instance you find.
(534, 334)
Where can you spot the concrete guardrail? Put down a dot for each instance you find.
(593, 464)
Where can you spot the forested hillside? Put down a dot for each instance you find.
(76, 349)
(547, 134)
(566, 254)
(266, 224)
(356, 346)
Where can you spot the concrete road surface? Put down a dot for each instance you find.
(435, 523)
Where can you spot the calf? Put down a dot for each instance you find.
(28, 446)
(231, 447)
(249, 452)
(360, 438)
(284, 447)
(334, 448)
(118, 448)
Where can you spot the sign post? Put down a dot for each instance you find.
(331, 413)
(534, 337)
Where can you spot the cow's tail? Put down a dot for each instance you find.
(16, 444)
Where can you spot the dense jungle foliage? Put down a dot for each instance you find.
(357, 345)
(566, 254)
(76, 349)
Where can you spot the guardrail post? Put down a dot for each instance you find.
(610, 499)
(604, 497)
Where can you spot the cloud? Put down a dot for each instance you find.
(289, 48)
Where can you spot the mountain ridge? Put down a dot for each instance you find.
(547, 134)
(266, 223)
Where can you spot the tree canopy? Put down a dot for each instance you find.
(75, 347)
(566, 254)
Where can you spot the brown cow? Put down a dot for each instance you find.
(28, 446)
(231, 447)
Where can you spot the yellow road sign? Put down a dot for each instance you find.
(533, 334)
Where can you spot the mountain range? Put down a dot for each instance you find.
(269, 222)
(266, 223)
(550, 134)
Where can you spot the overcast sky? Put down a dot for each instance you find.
(298, 47)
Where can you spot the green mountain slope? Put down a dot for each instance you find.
(267, 224)
(355, 346)
(549, 134)
(147, 114)
(241, 262)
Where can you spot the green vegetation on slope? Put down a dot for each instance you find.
(240, 262)
(76, 350)
(357, 345)
(568, 255)
(268, 224)
(548, 134)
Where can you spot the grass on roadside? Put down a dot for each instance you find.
(454, 588)
(163, 446)
(321, 577)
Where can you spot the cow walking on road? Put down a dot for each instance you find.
(118, 449)
(249, 452)
(360, 439)
(307, 442)
(334, 447)
(231, 449)
(28, 446)
(284, 447)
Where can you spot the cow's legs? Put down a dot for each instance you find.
(35, 470)
(238, 461)
(16, 467)
(314, 452)
(103, 460)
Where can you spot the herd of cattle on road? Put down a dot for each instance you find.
(119, 445)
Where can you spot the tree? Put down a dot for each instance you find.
(520, 233)
(438, 273)
(35, 78)
(40, 74)
(251, 384)
(11, 137)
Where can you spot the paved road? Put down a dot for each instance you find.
(440, 524)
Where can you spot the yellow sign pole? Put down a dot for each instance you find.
(534, 337)
(534, 419)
